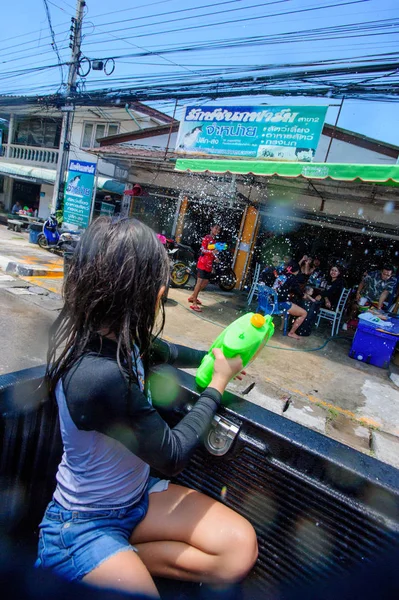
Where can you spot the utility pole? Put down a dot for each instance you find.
(69, 108)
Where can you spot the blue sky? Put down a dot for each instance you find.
(126, 27)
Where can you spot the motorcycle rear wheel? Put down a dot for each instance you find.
(42, 241)
(227, 280)
(179, 275)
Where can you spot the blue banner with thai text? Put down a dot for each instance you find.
(79, 193)
(266, 132)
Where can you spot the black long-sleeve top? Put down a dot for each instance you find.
(99, 398)
(333, 292)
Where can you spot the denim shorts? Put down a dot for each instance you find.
(284, 306)
(72, 543)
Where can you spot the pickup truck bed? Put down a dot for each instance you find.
(320, 508)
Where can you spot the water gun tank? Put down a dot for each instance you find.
(244, 337)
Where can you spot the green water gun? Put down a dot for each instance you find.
(245, 337)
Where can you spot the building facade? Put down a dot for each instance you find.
(258, 208)
(31, 142)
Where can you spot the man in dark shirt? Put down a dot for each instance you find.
(16, 208)
(377, 286)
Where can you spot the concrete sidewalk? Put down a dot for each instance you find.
(308, 381)
(19, 257)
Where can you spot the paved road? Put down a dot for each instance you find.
(24, 326)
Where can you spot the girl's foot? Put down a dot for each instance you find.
(191, 299)
(292, 335)
(196, 308)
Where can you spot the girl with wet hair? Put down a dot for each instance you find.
(110, 524)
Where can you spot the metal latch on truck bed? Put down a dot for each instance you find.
(221, 435)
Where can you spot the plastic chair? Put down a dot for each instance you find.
(254, 285)
(268, 304)
(335, 316)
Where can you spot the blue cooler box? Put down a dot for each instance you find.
(372, 346)
(35, 230)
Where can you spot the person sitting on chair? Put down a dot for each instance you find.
(16, 208)
(331, 295)
(286, 285)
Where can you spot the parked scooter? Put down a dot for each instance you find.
(55, 241)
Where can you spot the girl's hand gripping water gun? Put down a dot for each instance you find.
(244, 337)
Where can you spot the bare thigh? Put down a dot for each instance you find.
(184, 515)
(297, 311)
(124, 571)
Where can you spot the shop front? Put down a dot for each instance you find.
(156, 207)
(355, 212)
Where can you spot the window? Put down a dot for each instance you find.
(112, 129)
(87, 135)
(94, 131)
(35, 131)
(100, 133)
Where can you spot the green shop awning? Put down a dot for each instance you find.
(338, 172)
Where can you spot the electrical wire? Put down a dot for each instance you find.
(54, 43)
(303, 36)
(156, 85)
(289, 37)
(213, 13)
(113, 12)
(56, 6)
(242, 20)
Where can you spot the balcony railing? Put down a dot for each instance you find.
(30, 154)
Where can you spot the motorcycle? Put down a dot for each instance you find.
(181, 271)
(51, 239)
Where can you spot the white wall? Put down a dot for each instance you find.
(342, 152)
(109, 115)
(45, 201)
(156, 141)
(5, 197)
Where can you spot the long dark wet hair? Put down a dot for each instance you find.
(112, 288)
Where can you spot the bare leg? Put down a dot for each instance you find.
(124, 571)
(199, 286)
(301, 314)
(187, 535)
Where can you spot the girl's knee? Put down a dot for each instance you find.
(241, 553)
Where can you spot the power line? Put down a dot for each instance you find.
(137, 18)
(243, 41)
(54, 44)
(184, 10)
(242, 20)
(113, 12)
(326, 33)
(56, 6)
